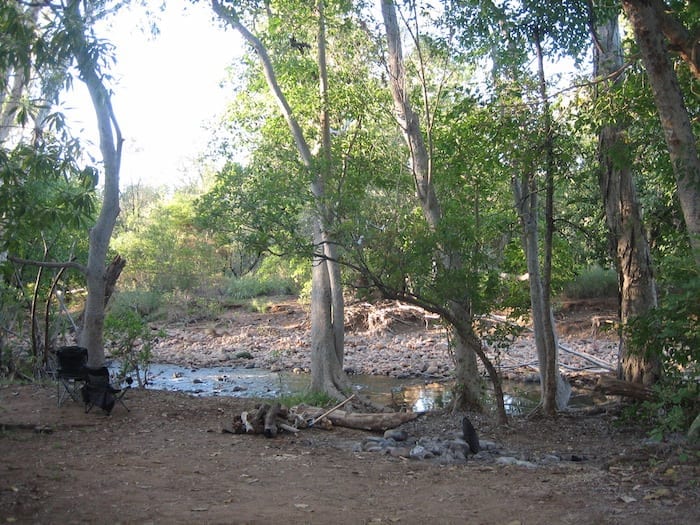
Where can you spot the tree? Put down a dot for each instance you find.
(327, 304)
(69, 39)
(467, 345)
(670, 104)
(622, 208)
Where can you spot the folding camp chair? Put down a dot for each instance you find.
(70, 372)
(98, 391)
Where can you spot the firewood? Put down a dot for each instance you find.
(287, 428)
(246, 424)
(271, 420)
(380, 421)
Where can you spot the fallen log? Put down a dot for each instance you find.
(380, 421)
(267, 419)
(612, 386)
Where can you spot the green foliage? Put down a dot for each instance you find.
(145, 303)
(593, 283)
(46, 195)
(251, 286)
(672, 331)
(166, 250)
(131, 340)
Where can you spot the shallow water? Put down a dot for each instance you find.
(415, 394)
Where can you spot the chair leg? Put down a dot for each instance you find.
(119, 398)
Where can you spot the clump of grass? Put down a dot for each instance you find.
(308, 397)
(593, 283)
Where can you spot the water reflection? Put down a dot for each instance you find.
(417, 395)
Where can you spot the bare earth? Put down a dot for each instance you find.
(167, 461)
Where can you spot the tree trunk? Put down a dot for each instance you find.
(327, 305)
(624, 218)
(555, 392)
(681, 142)
(468, 382)
(92, 336)
(327, 322)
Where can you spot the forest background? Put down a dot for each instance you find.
(433, 154)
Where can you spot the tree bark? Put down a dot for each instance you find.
(468, 383)
(637, 292)
(554, 391)
(681, 142)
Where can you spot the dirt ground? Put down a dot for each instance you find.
(167, 461)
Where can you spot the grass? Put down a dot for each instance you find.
(317, 399)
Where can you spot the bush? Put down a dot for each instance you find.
(595, 282)
(146, 303)
(672, 331)
(250, 286)
(132, 341)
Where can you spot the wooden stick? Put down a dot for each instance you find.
(319, 418)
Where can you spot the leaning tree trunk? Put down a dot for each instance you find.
(624, 217)
(675, 121)
(327, 308)
(92, 335)
(468, 382)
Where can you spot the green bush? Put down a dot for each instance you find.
(672, 331)
(594, 283)
(132, 340)
(146, 303)
(250, 286)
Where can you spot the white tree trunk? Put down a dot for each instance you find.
(92, 336)
(555, 391)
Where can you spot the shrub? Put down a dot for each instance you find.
(132, 341)
(250, 286)
(672, 331)
(595, 282)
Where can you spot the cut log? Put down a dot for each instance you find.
(610, 385)
(362, 421)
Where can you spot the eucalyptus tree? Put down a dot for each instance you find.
(518, 40)
(457, 306)
(68, 39)
(327, 303)
(648, 20)
(622, 207)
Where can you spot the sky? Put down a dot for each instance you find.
(166, 88)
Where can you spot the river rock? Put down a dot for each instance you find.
(396, 434)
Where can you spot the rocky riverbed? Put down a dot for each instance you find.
(386, 339)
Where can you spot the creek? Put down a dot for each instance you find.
(414, 394)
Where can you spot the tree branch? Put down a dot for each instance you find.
(48, 264)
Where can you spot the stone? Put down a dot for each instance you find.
(509, 460)
(396, 435)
